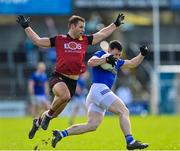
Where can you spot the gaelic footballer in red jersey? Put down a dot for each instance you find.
(66, 50)
(70, 51)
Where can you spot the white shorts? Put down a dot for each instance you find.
(39, 99)
(99, 98)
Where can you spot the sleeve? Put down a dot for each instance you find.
(52, 41)
(46, 78)
(120, 63)
(90, 39)
(98, 54)
(31, 77)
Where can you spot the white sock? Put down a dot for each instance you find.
(48, 115)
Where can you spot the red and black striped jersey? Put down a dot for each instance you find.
(70, 53)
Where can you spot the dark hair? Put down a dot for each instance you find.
(75, 19)
(115, 44)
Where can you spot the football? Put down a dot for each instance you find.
(106, 66)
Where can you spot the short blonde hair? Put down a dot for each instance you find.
(41, 65)
(75, 19)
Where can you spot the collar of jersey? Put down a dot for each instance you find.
(73, 38)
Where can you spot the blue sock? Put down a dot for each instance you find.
(63, 133)
(129, 139)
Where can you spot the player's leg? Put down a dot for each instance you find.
(75, 106)
(83, 104)
(39, 105)
(33, 106)
(34, 109)
(59, 103)
(74, 112)
(95, 115)
(94, 120)
(121, 110)
(45, 105)
(36, 121)
(59, 110)
(62, 96)
(35, 125)
(63, 89)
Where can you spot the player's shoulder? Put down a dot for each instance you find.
(61, 37)
(84, 37)
(33, 75)
(120, 63)
(120, 60)
(99, 53)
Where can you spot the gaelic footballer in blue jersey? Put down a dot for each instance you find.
(100, 97)
(39, 90)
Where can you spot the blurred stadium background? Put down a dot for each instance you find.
(154, 85)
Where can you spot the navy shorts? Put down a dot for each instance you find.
(57, 77)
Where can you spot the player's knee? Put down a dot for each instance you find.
(93, 125)
(64, 97)
(122, 111)
(67, 97)
(125, 111)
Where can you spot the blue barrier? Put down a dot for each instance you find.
(56, 7)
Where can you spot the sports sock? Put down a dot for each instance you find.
(63, 133)
(129, 139)
(50, 113)
(38, 122)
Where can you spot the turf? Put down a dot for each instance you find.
(161, 132)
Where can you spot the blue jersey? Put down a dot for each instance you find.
(99, 75)
(39, 82)
(81, 82)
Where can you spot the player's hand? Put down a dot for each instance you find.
(144, 50)
(119, 20)
(111, 60)
(23, 21)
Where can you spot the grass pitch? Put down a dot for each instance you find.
(161, 132)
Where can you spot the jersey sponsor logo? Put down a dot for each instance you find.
(103, 92)
(72, 46)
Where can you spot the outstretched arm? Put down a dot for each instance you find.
(30, 87)
(40, 42)
(107, 31)
(96, 61)
(134, 62)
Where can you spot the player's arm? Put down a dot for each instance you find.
(134, 62)
(40, 42)
(107, 31)
(31, 87)
(78, 89)
(47, 88)
(96, 61)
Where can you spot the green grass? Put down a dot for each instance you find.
(161, 132)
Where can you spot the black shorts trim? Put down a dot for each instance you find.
(57, 77)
